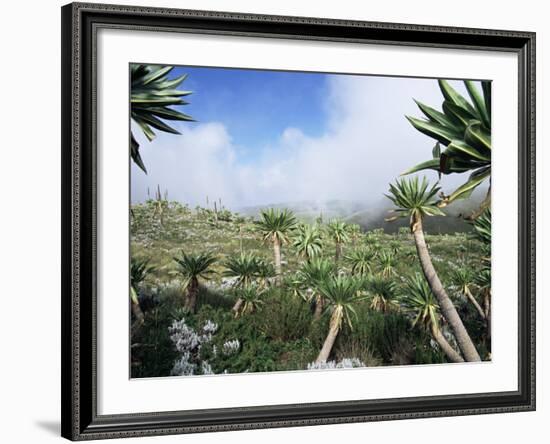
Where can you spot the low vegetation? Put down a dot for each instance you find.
(212, 291)
(222, 293)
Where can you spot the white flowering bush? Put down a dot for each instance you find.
(231, 347)
(210, 327)
(199, 355)
(280, 334)
(206, 368)
(183, 366)
(185, 339)
(188, 342)
(344, 363)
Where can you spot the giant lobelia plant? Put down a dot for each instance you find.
(152, 96)
(463, 135)
(416, 200)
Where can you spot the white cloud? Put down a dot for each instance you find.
(200, 162)
(367, 143)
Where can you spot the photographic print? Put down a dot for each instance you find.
(306, 221)
(252, 202)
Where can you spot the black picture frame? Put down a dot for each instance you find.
(80, 22)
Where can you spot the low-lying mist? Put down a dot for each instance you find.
(344, 172)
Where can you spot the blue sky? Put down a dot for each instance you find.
(269, 137)
(257, 106)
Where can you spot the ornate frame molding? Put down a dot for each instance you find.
(80, 22)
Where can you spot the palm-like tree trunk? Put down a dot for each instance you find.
(473, 300)
(318, 307)
(447, 307)
(277, 254)
(333, 331)
(237, 306)
(136, 309)
(487, 311)
(451, 353)
(486, 203)
(338, 252)
(192, 293)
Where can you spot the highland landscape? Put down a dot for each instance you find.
(243, 266)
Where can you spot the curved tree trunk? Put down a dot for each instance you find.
(486, 203)
(338, 252)
(318, 307)
(473, 300)
(447, 307)
(237, 306)
(487, 306)
(451, 353)
(277, 254)
(136, 310)
(334, 328)
(192, 293)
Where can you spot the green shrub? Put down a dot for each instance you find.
(378, 336)
(296, 355)
(281, 334)
(214, 298)
(152, 352)
(283, 316)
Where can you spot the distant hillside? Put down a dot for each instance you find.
(309, 211)
(373, 216)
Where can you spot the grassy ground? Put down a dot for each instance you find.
(280, 335)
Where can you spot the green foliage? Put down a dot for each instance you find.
(214, 298)
(244, 267)
(464, 128)
(372, 241)
(283, 317)
(463, 279)
(339, 231)
(361, 261)
(297, 354)
(260, 349)
(151, 349)
(276, 224)
(388, 262)
(251, 299)
(152, 95)
(483, 279)
(342, 293)
(279, 333)
(395, 247)
(313, 273)
(382, 292)
(413, 199)
(139, 270)
(418, 300)
(225, 215)
(307, 241)
(378, 338)
(265, 273)
(394, 339)
(193, 266)
(354, 231)
(403, 232)
(426, 353)
(482, 227)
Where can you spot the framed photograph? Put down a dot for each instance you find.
(280, 221)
